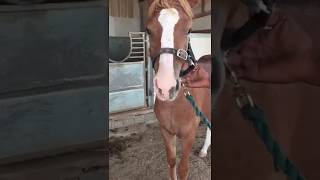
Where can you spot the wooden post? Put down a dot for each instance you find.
(141, 11)
(203, 5)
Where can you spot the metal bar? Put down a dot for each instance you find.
(138, 38)
(136, 57)
(137, 52)
(137, 42)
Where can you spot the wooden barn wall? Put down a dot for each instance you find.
(124, 16)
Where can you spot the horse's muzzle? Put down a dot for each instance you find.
(168, 94)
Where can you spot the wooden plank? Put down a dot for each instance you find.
(207, 5)
(126, 100)
(203, 5)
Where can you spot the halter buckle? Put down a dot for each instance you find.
(186, 92)
(183, 54)
(242, 97)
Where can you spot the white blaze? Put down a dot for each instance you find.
(168, 18)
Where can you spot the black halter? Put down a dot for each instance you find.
(186, 55)
(257, 20)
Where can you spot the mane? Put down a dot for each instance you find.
(157, 5)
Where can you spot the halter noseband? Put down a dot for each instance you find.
(186, 55)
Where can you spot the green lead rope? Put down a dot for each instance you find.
(197, 110)
(251, 112)
(281, 161)
(254, 114)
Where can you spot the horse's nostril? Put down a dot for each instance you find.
(157, 86)
(164, 90)
(172, 91)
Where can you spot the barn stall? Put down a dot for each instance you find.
(136, 149)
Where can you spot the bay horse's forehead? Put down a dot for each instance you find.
(168, 17)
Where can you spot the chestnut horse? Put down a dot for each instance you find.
(168, 25)
(284, 51)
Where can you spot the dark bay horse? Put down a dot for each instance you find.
(168, 25)
(279, 56)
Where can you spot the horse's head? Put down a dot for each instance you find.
(169, 23)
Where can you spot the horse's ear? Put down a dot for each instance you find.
(193, 3)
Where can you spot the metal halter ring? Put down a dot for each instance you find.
(183, 54)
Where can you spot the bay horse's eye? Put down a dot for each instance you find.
(148, 31)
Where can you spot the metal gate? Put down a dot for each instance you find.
(129, 77)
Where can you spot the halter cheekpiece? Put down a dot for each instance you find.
(186, 55)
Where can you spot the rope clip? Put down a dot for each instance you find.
(242, 97)
(244, 100)
(186, 92)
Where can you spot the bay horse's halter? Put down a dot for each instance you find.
(185, 55)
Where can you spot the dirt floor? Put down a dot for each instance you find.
(88, 164)
(142, 156)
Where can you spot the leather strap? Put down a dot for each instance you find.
(189, 57)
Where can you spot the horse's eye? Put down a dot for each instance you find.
(189, 31)
(148, 31)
